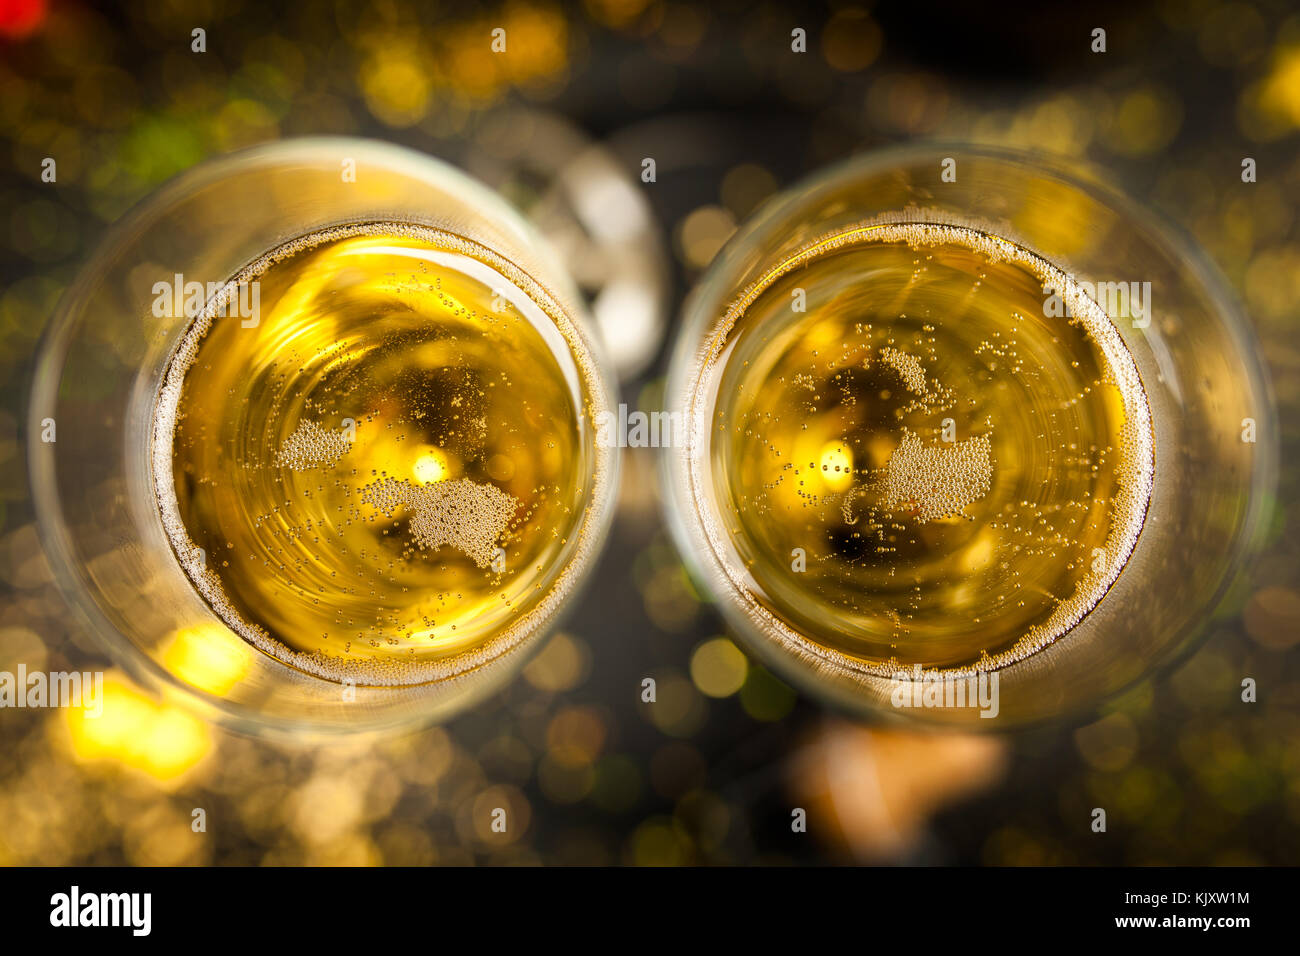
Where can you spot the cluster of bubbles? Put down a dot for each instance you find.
(464, 514)
(312, 446)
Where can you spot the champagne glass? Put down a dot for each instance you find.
(969, 435)
(312, 439)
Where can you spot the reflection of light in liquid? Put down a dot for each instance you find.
(979, 555)
(815, 460)
(432, 466)
(836, 465)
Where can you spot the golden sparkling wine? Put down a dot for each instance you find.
(385, 478)
(911, 457)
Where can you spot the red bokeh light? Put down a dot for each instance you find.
(21, 18)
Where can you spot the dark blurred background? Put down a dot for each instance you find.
(1184, 91)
